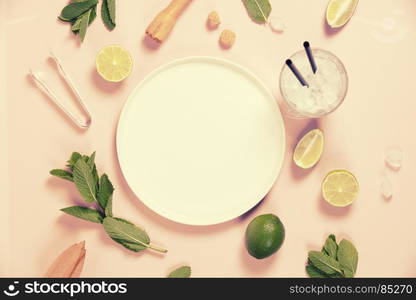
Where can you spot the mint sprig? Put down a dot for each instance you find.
(334, 260)
(82, 171)
(81, 14)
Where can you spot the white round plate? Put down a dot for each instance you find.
(200, 140)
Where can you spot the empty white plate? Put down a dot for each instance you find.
(200, 140)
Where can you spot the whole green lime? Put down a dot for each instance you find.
(264, 236)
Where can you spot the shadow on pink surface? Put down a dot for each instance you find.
(67, 187)
(332, 211)
(150, 43)
(103, 85)
(254, 265)
(54, 106)
(68, 92)
(296, 128)
(71, 36)
(248, 214)
(74, 224)
(329, 31)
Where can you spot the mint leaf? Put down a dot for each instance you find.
(126, 233)
(64, 20)
(76, 25)
(348, 258)
(348, 273)
(93, 15)
(91, 160)
(108, 211)
(324, 263)
(73, 160)
(84, 213)
(83, 26)
(105, 191)
(74, 22)
(331, 247)
(84, 181)
(258, 10)
(313, 272)
(62, 174)
(181, 272)
(112, 10)
(74, 10)
(105, 15)
(91, 163)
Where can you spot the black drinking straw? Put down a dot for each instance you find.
(296, 72)
(310, 56)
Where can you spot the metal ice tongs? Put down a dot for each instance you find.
(44, 87)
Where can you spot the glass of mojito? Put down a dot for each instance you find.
(325, 90)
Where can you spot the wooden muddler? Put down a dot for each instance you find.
(164, 22)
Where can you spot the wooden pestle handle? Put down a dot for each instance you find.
(164, 21)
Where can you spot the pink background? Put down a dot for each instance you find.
(378, 49)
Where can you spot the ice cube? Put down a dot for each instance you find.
(277, 24)
(394, 158)
(386, 188)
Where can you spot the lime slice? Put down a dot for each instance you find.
(309, 149)
(339, 12)
(114, 63)
(340, 188)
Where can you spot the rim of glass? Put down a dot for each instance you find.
(340, 66)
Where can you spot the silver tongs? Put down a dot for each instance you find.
(84, 124)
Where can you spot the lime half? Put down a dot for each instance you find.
(114, 63)
(309, 149)
(339, 12)
(340, 188)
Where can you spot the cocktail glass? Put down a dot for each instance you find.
(326, 88)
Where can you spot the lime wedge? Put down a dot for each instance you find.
(309, 149)
(339, 12)
(114, 63)
(340, 188)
